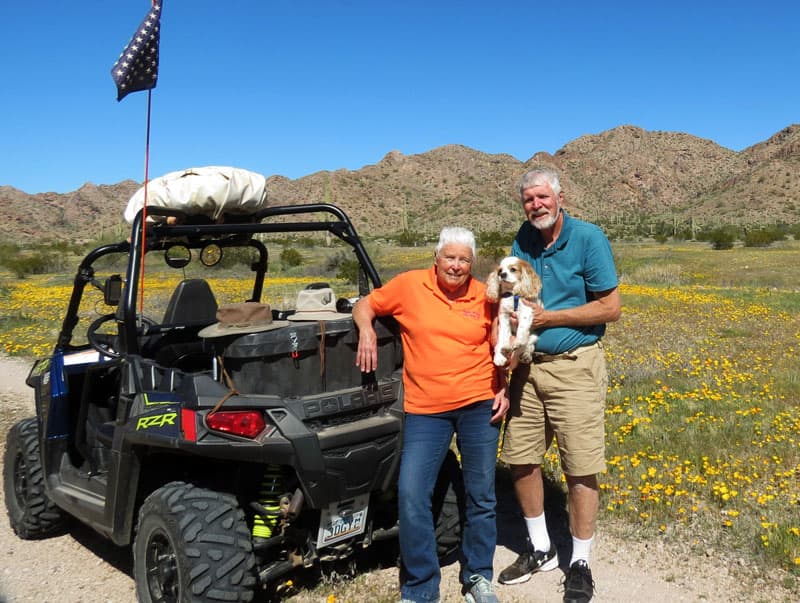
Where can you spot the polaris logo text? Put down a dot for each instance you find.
(156, 421)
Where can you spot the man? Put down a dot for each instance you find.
(563, 390)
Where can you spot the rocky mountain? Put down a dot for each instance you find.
(81, 215)
(623, 174)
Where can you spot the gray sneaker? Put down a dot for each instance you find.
(479, 590)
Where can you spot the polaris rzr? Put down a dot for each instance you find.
(227, 463)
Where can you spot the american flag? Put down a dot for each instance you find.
(137, 67)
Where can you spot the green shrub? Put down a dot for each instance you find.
(8, 251)
(763, 237)
(494, 245)
(345, 266)
(720, 238)
(409, 238)
(22, 265)
(235, 256)
(348, 271)
(290, 257)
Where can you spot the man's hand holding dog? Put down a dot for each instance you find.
(538, 315)
(604, 307)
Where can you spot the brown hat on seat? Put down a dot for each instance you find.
(243, 317)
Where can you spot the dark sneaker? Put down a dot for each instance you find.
(578, 583)
(479, 590)
(527, 564)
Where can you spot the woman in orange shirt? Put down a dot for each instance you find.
(451, 386)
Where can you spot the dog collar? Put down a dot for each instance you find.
(516, 299)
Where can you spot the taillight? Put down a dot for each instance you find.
(245, 423)
(188, 425)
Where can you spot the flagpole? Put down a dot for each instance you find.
(144, 208)
(137, 69)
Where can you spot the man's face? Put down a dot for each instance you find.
(541, 206)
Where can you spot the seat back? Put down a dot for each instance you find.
(192, 302)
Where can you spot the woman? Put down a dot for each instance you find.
(451, 386)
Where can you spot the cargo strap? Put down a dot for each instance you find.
(229, 382)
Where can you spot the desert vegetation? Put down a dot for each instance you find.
(703, 414)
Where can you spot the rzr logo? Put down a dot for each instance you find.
(156, 421)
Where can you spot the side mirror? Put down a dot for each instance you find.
(177, 256)
(112, 290)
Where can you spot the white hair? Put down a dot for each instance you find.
(456, 234)
(539, 176)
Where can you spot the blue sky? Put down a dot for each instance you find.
(292, 87)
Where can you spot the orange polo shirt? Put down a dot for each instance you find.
(447, 360)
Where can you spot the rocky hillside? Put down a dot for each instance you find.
(626, 173)
(77, 216)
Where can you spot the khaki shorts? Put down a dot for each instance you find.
(565, 397)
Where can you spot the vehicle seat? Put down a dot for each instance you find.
(192, 307)
(192, 302)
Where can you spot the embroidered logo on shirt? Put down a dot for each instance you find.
(471, 314)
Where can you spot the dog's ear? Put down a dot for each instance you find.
(493, 286)
(529, 285)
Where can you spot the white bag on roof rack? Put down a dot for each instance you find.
(203, 191)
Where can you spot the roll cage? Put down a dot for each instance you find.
(196, 232)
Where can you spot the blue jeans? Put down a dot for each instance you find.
(426, 439)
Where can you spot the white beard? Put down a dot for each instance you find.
(545, 222)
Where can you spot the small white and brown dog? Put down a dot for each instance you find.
(514, 279)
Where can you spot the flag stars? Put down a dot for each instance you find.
(137, 66)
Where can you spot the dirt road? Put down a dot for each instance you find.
(82, 567)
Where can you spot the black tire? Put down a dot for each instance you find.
(448, 504)
(192, 544)
(30, 511)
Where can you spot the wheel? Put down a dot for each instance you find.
(448, 504)
(31, 513)
(192, 544)
(104, 342)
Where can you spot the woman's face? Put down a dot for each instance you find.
(453, 266)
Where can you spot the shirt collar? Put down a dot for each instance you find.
(473, 286)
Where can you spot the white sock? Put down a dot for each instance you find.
(581, 550)
(537, 530)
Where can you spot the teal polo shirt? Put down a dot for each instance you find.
(578, 263)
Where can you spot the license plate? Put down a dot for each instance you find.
(342, 520)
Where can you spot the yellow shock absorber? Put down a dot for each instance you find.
(269, 498)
